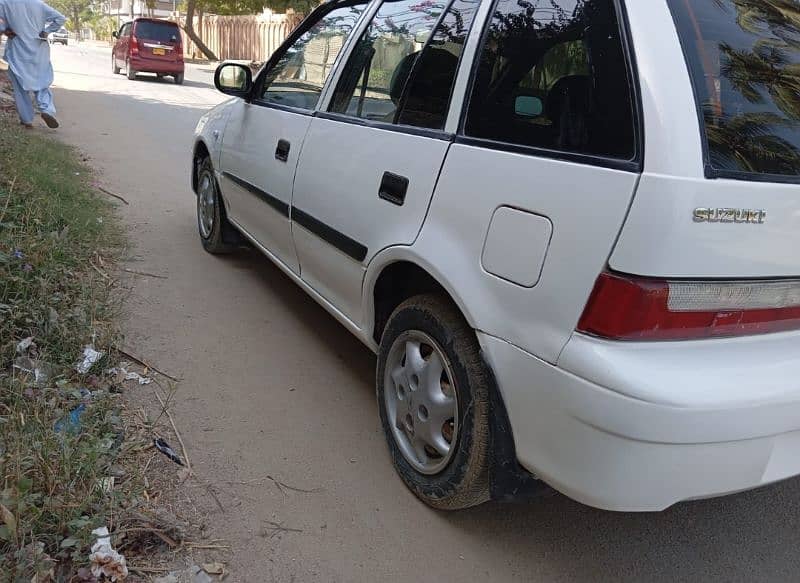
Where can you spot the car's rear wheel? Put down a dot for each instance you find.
(131, 73)
(432, 388)
(178, 79)
(215, 231)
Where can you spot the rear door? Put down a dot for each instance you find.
(535, 189)
(264, 137)
(371, 161)
(158, 40)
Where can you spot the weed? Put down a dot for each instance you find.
(57, 242)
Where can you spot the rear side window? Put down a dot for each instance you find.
(403, 68)
(553, 75)
(163, 32)
(744, 59)
(298, 77)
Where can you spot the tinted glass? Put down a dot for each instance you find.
(163, 32)
(297, 78)
(376, 74)
(428, 92)
(552, 74)
(744, 57)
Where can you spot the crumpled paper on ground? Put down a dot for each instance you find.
(90, 356)
(135, 376)
(105, 560)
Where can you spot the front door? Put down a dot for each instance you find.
(264, 137)
(370, 163)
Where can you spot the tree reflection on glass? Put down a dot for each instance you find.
(752, 115)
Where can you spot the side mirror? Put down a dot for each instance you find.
(115, 34)
(528, 106)
(233, 79)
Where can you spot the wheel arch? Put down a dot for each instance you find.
(199, 152)
(395, 275)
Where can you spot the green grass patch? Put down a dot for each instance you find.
(58, 240)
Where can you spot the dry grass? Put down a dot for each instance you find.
(57, 242)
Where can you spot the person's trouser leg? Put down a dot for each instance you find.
(22, 98)
(44, 100)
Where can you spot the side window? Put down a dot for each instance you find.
(553, 75)
(297, 78)
(126, 30)
(402, 70)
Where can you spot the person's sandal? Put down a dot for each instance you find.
(27, 126)
(50, 120)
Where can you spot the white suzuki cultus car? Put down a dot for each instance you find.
(570, 230)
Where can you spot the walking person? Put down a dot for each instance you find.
(26, 23)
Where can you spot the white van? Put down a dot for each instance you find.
(570, 230)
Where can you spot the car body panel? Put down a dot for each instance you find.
(339, 182)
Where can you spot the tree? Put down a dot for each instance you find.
(76, 11)
(766, 69)
(748, 141)
(191, 7)
(234, 8)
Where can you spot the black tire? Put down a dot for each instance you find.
(464, 481)
(130, 73)
(223, 237)
(178, 79)
(114, 68)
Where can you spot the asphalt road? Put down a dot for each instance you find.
(274, 386)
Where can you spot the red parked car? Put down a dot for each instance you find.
(148, 45)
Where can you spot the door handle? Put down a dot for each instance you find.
(282, 150)
(393, 188)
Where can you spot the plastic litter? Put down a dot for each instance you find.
(215, 568)
(72, 422)
(105, 560)
(135, 376)
(90, 357)
(24, 345)
(41, 371)
(165, 448)
(199, 576)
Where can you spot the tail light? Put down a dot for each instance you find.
(624, 307)
(134, 45)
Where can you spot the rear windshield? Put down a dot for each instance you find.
(157, 31)
(744, 58)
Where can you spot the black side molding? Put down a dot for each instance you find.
(339, 240)
(276, 203)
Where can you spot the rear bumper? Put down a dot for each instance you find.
(155, 66)
(619, 452)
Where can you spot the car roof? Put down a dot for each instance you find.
(148, 19)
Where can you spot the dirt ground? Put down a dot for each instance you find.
(277, 406)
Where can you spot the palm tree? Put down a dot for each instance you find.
(766, 69)
(749, 142)
(781, 16)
